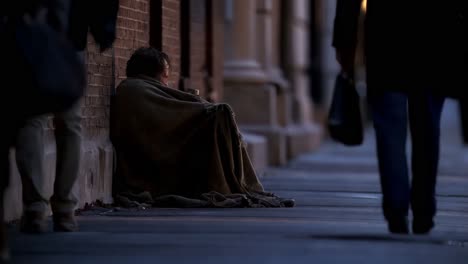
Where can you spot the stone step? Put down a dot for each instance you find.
(257, 149)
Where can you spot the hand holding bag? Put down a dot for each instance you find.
(344, 119)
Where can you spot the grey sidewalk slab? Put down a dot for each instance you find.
(337, 220)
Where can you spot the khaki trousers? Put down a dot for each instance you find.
(30, 149)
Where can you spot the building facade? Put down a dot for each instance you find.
(252, 54)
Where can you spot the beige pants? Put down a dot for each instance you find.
(30, 149)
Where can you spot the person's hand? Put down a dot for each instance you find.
(345, 58)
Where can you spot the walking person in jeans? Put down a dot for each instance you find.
(414, 55)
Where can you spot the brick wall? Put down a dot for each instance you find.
(96, 101)
(132, 33)
(218, 20)
(206, 47)
(198, 59)
(97, 154)
(171, 36)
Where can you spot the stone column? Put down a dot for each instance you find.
(241, 59)
(247, 86)
(217, 52)
(304, 135)
(268, 47)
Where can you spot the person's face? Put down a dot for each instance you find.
(166, 74)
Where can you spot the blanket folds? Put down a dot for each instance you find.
(183, 150)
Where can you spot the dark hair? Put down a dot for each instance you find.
(147, 61)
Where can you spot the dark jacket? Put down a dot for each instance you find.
(76, 17)
(97, 16)
(51, 74)
(409, 45)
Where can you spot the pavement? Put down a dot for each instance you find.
(337, 220)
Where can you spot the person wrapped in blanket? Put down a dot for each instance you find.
(175, 149)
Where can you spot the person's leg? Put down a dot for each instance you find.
(30, 162)
(12, 124)
(389, 113)
(463, 105)
(4, 173)
(5, 143)
(425, 113)
(68, 138)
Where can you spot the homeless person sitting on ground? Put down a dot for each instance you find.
(181, 149)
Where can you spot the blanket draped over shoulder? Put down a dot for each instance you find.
(183, 150)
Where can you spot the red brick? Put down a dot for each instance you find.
(133, 29)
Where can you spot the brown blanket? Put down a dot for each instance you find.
(183, 150)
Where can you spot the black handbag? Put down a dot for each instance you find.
(344, 119)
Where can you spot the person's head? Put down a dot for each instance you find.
(150, 62)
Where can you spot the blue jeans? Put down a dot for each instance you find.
(391, 111)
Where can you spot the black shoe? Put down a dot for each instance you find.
(4, 251)
(398, 225)
(33, 223)
(65, 222)
(422, 226)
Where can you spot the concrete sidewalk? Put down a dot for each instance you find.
(337, 220)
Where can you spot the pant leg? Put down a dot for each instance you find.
(8, 140)
(389, 113)
(68, 138)
(5, 143)
(463, 105)
(425, 113)
(4, 178)
(30, 162)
